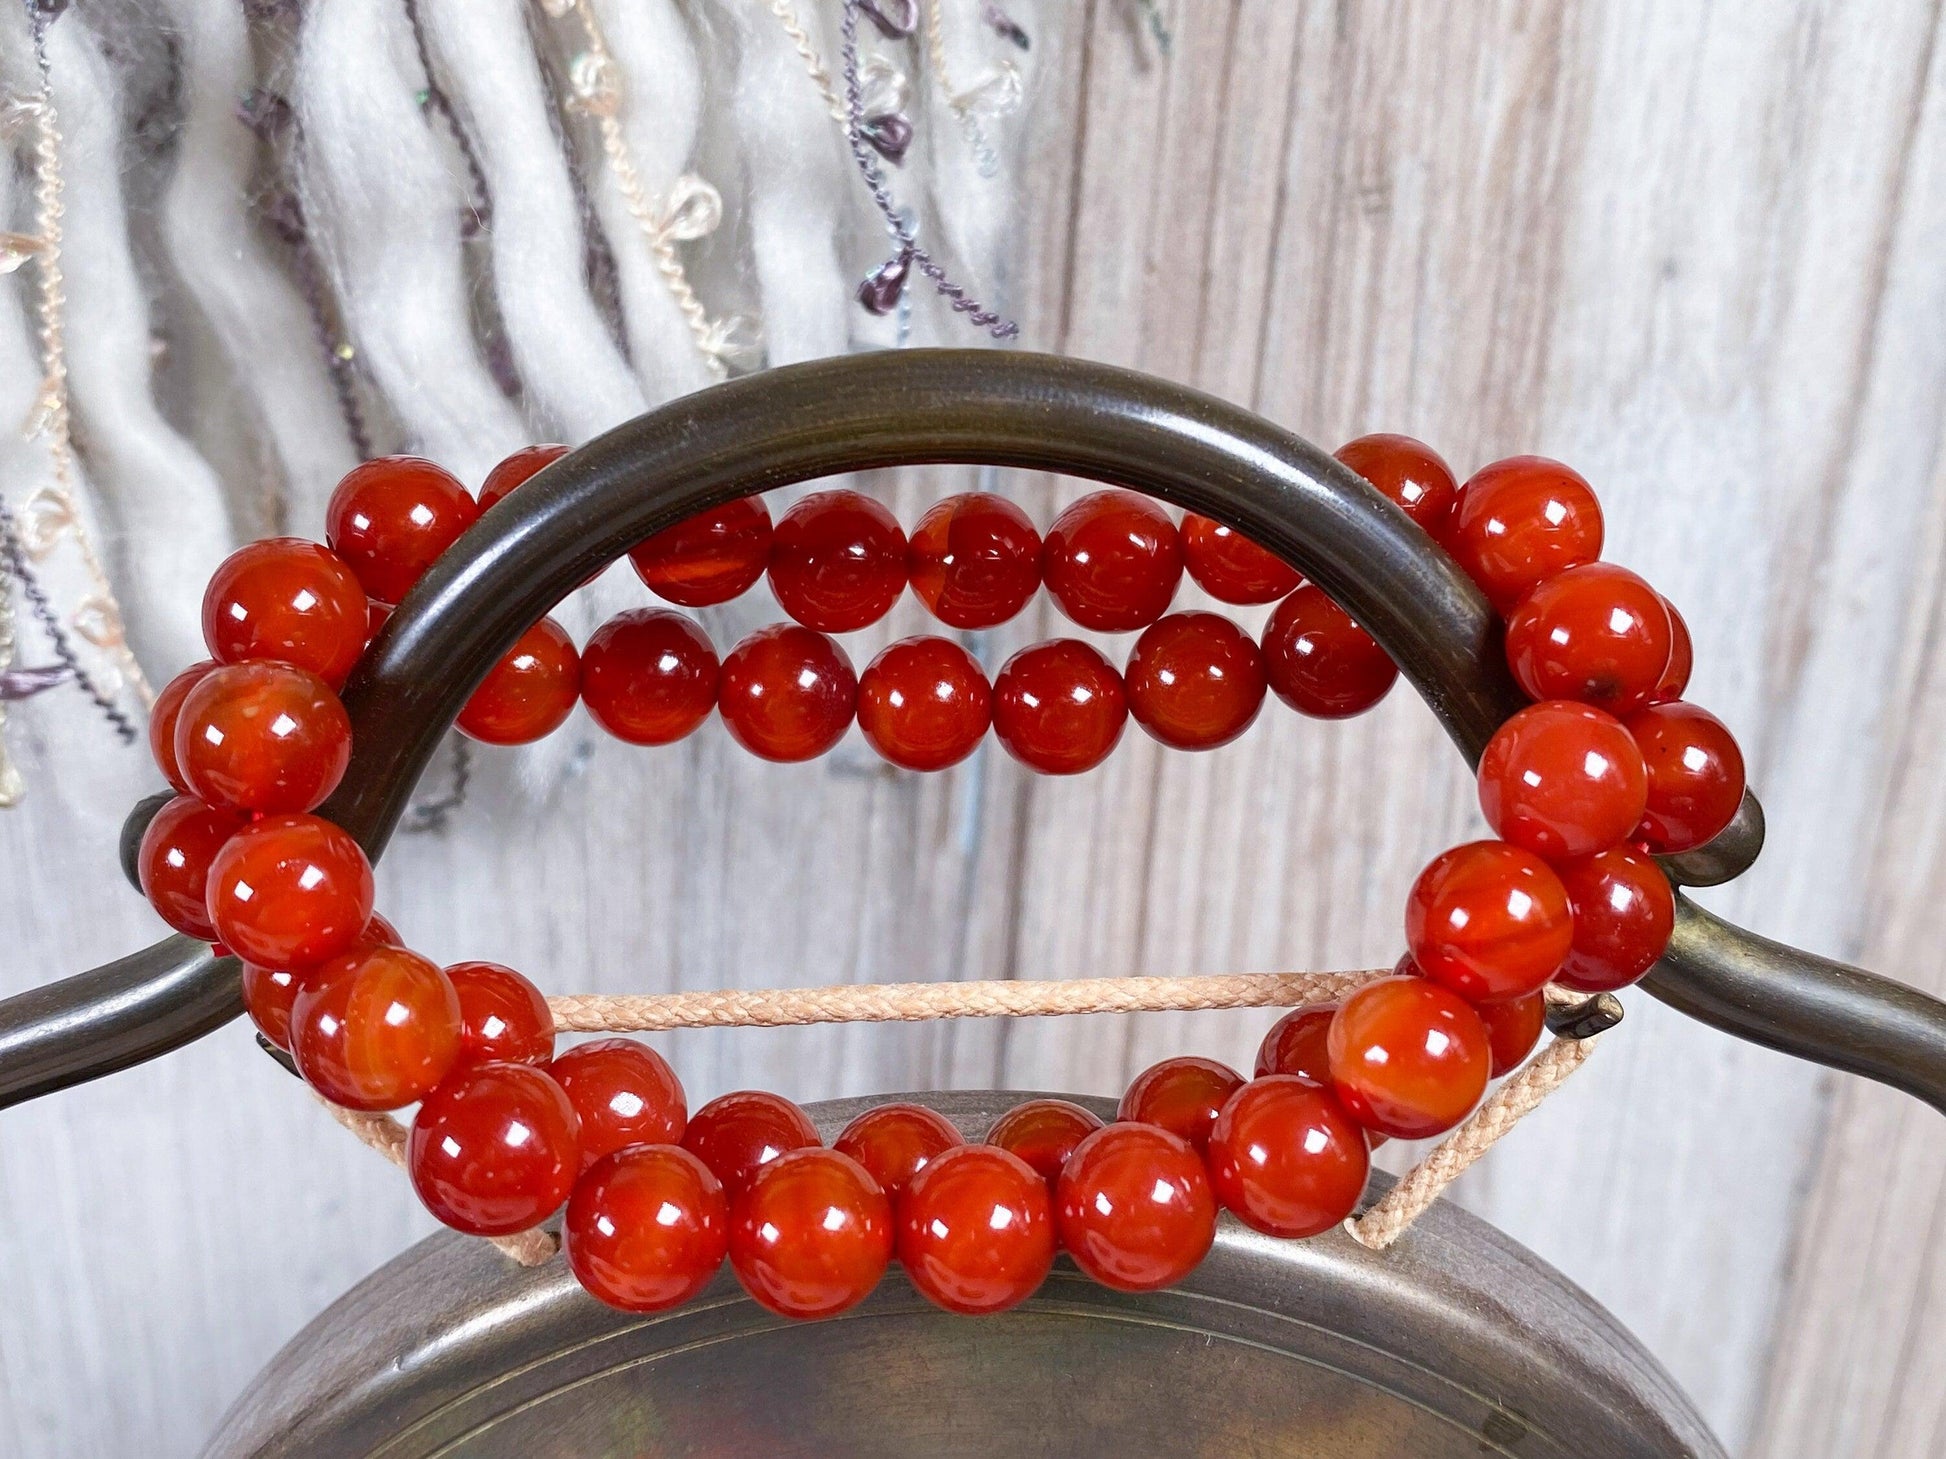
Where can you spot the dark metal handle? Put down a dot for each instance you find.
(1036, 412)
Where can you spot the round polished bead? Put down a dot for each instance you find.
(519, 468)
(269, 993)
(924, 703)
(1595, 633)
(162, 722)
(529, 692)
(1286, 1158)
(624, 1092)
(174, 860)
(811, 1235)
(262, 737)
(1134, 1207)
(1409, 1058)
(1194, 681)
(1111, 561)
(1407, 471)
(1513, 1028)
(787, 693)
(1682, 659)
(1319, 661)
(974, 560)
(1180, 1095)
(504, 1018)
(1230, 567)
(646, 1228)
(894, 1142)
(1044, 1132)
(1519, 522)
(1059, 707)
(290, 891)
(1562, 780)
(375, 1028)
(1695, 775)
(648, 676)
(391, 517)
(1296, 1044)
(1624, 911)
(286, 600)
(735, 1134)
(1488, 921)
(493, 1149)
(837, 561)
(709, 558)
(976, 1230)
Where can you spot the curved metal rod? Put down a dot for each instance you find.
(1034, 412)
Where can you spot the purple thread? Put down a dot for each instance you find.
(15, 562)
(25, 683)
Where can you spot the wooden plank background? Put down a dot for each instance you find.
(1698, 251)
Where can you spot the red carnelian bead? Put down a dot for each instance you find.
(528, 694)
(736, 1133)
(648, 676)
(290, 891)
(1682, 659)
(162, 722)
(787, 693)
(1319, 661)
(976, 1230)
(974, 560)
(1286, 1158)
(1521, 521)
(811, 1235)
(1043, 1132)
(268, 993)
(837, 561)
(375, 1028)
(1695, 775)
(709, 558)
(1562, 780)
(503, 1017)
(1513, 1028)
(1595, 633)
(1408, 1057)
(1408, 471)
(924, 704)
(646, 1228)
(1181, 1096)
(517, 470)
(894, 1142)
(288, 600)
(1059, 707)
(625, 1094)
(1194, 681)
(1488, 921)
(1111, 561)
(493, 1149)
(391, 517)
(1134, 1207)
(173, 863)
(262, 737)
(1624, 912)
(1230, 567)
(1296, 1044)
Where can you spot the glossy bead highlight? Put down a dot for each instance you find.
(1044, 1133)
(646, 1228)
(837, 561)
(1596, 634)
(1521, 521)
(1194, 681)
(709, 558)
(375, 1028)
(1230, 567)
(1695, 775)
(1562, 780)
(812, 1234)
(529, 693)
(162, 722)
(1488, 921)
(1059, 707)
(1111, 561)
(290, 891)
(1624, 911)
(894, 1142)
(976, 1230)
(1181, 1095)
(173, 863)
(1134, 1208)
(924, 703)
(738, 1133)
(493, 1149)
(1286, 1158)
(649, 676)
(1407, 471)
(262, 737)
(624, 1093)
(1321, 663)
(391, 517)
(504, 1018)
(787, 693)
(974, 560)
(289, 601)
(1409, 1058)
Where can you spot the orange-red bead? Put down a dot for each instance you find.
(1488, 921)
(1180, 1095)
(974, 560)
(375, 1028)
(517, 470)
(736, 1134)
(1286, 1158)
(503, 1017)
(976, 1230)
(625, 1094)
(1408, 471)
(1194, 681)
(709, 558)
(837, 561)
(787, 693)
(529, 693)
(1319, 661)
(391, 517)
(1595, 633)
(812, 1234)
(1059, 707)
(1695, 775)
(269, 993)
(162, 722)
(924, 703)
(646, 1228)
(1230, 567)
(1111, 561)
(894, 1142)
(262, 737)
(1519, 522)
(1043, 1132)
(1624, 912)
(1296, 1044)
(174, 860)
(1408, 1058)
(1562, 780)
(1682, 659)
(648, 676)
(287, 600)
(1513, 1028)
(493, 1149)
(1134, 1207)
(290, 891)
